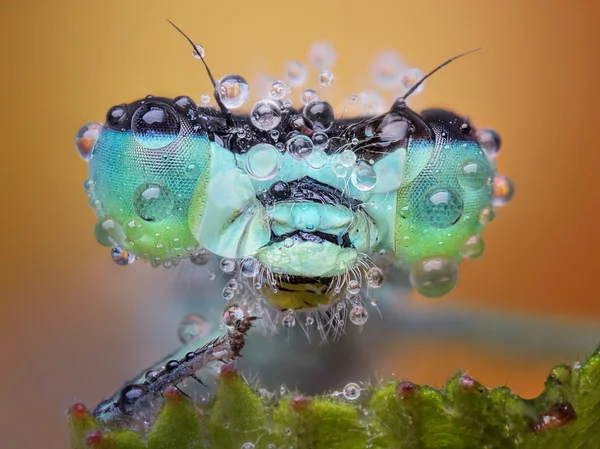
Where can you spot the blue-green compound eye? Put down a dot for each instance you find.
(155, 125)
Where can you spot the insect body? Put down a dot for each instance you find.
(309, 198)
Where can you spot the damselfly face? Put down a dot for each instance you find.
(307, 198)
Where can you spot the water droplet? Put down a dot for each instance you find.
(472, 248)
(441, 206)
(250, 267)
(192, 171)
(278, 90)
(339, 170)
(490, 141)
(88, 186)
(359, 315)
(151, 375)
(322, 55)
(352, 391)
(375, 277)
(363, 177)
(296, 73)
(232, 314)
(265, 115)
(155, 125)
(502, 189)
(134, 229)
(86, 138)
(387, 68)
(318, 115)
(274, 134)
(247, 445)
(347, 158)
(353, 287)
(320, 140)
(205, 99)
(308, 95)
(116, 117)
(410, 77)
(198, 52)
(263, 161)
(233, 91)
(317, 159)
(288, 320)
(299, 147)
(153, 201)
(228, 293)
(108, 231)
(310, 321)
(434, 276)
(211, 276)
(325, 78)
(472, 174)
(200, 257)
(487, 215)
(192, 326)
(121, 256)
(288, 242)
(227, 265)
(371, 103)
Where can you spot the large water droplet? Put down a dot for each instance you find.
(86, 138)
(233, 91)
(363, 177)
(434, 276)
(325, 78)
(278, 90)
(155, 125)
(359, 315)
(387, 69)
(410, 77)
(191, 327)
(265, 115)
(490, 141)
(441, 206)
(352, 391)
(121, 256)
(503, 190)
(263, 161)
(116, 117)
(153, 201)
(320, 140)
(472, 174)
(299, 147)
(487, 215)
(322, 55)
(318, 115)
(296, 73)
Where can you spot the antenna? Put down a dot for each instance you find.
(223, 108)
(441, 66)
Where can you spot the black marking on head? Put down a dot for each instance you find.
(456, 127)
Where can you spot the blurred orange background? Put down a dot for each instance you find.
(65, 308)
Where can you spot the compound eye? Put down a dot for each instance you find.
(155, 125)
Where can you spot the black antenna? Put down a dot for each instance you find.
(198, 52)
(441, 66)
